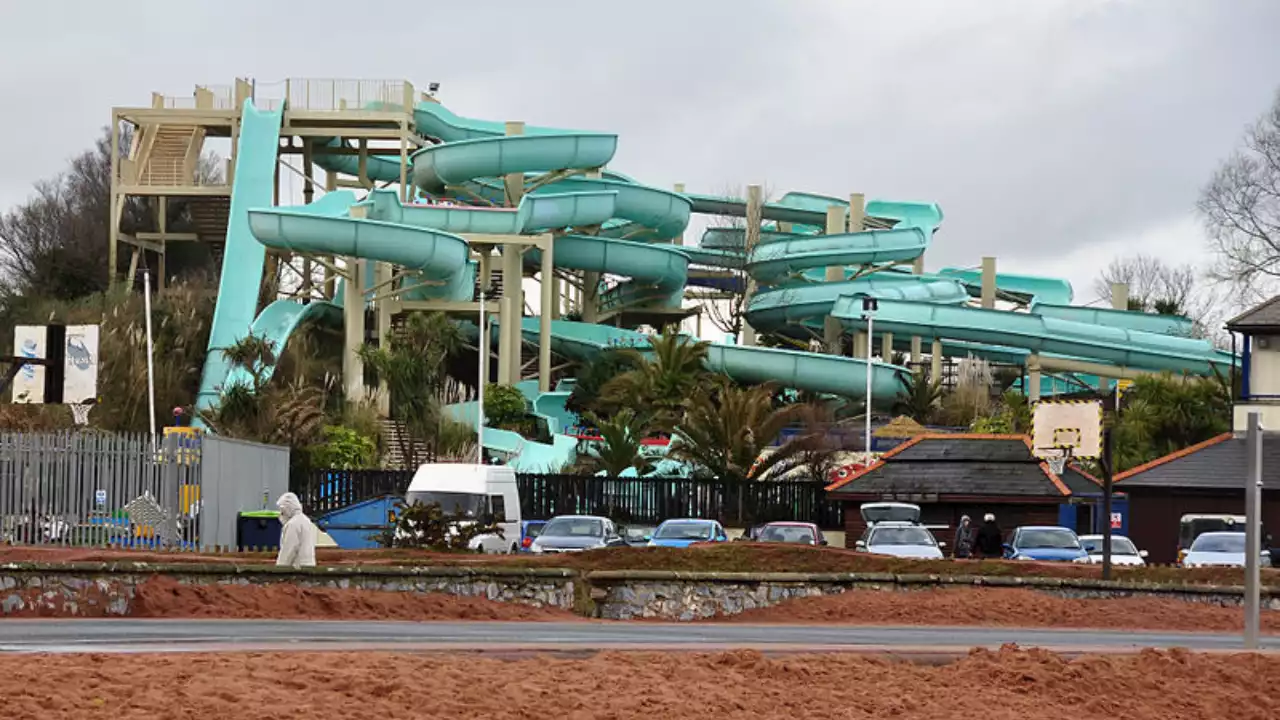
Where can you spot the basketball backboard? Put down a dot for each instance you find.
(1067, 427)
(74, 351)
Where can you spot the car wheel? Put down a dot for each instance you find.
(513, 550)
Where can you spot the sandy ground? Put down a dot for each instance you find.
(1008, 607)
(1003, 685)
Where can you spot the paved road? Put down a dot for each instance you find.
(211, 635)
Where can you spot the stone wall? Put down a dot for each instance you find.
(683, 596)
(96, 589)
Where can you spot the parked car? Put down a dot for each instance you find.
(1220, 549)
(529, 531)
(1123, 551)
(878, 512)
(800, 533)
(575, 533)
(687, 531)
(1193, 525)
(900, 539)
(637, 535)
(1045, 542)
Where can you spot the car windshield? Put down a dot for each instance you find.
(787, 534)
(900, 536)
(1048, 538)
(573, 527)
(468, 504)
(637, 533)
(1119, 546)
(683, 531)
(1219, 543)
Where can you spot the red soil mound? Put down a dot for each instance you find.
(1004, 685)
(166, 598)
(1009, 607)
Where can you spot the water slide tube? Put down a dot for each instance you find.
(243, 257)
(1113, 346)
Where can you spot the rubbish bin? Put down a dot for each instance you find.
(258, 529)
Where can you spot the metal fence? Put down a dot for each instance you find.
(638, 501)
(94, 489)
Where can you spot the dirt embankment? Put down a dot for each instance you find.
(1005, 685)
(723, 557)
(164, 597)
(1004, 607)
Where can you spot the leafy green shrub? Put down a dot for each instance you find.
(344, 448)
(504, 407)
(428, 527)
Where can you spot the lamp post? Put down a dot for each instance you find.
(484, 378)
(869, 307)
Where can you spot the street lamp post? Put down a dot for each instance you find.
(869, 307)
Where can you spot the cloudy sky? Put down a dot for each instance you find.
(1055, 135)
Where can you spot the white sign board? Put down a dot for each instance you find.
(80, 383)
(28, 385)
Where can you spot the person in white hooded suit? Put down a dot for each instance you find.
(298, 536)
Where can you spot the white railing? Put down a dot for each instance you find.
(334, 94)
(205, 97)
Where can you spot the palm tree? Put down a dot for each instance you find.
(594, 374)
(662, 383)
(918, 398)
(278, 413)
(725, 431)
(620, 447)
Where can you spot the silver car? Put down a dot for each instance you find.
(1220, 549)
(901, 539)
(575, 533)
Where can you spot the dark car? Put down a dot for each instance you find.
(799, 533)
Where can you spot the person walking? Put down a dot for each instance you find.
(963, 546)
(989, 543)
(298, 536)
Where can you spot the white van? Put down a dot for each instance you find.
(477, 491)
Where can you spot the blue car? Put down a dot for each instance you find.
(687, 531)
(529, 530)
(1045, 542)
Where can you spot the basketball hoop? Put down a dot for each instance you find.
(1056, 459)
(80, 413)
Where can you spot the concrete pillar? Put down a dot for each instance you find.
(886, 347)
(1033, 377)
(382, 274)
(557, 297)
(548, 301)
(514, 182)
(755, 215)
(860, 341)
(1120, 296)
(935, 361)
(590, 298)
(353, 331)
(510, 314)
(917, 353)
(831, 327)
(679, 240)
(989, 283)
(857, 212)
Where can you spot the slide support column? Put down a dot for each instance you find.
(546, 307)
(514, 182)
(886, 347)
(1119, 296)
(831, 328)
(755, 212)
(353, 330)
(590, 299)
(1033, 378)
(988, 283)
(935, 361)
(510, 316)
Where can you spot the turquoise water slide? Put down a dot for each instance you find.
(1113, 346)
(243, 257)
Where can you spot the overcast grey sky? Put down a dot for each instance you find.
(1054, 134)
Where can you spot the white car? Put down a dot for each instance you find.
(1219, 549)
(1123, 551)
(900, 539)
